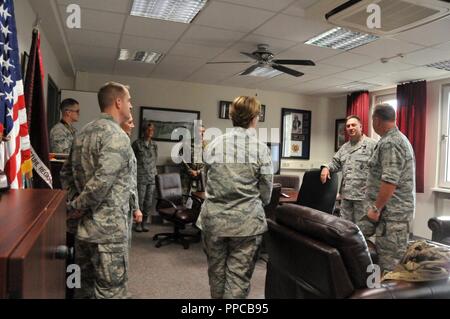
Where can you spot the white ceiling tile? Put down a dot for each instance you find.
(133, 68)
(232, 17)
(429, 34)
(348, 60)
(386, 48)
(93, 38)
(417, 74)
(206, 76)
(193, 50)
(94, 64)
(210, 36)
(140, 43)
(443, 46)
(425, 56)
(292, 28)
(323, 69)
(153, 28)
(242, 81)
(328, 81)
(94, 20)
(171, 64)
(119, 6)
(262, 4)
(354, 75)
(227, 69)
(91, 51)
(380, 68)
(298, 7)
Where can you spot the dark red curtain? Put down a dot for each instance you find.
(358, 104)
(411, 120)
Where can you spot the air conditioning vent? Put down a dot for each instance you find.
(396, 15)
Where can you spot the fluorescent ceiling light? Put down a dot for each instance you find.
(140, 56)
(172, 10)
(265, 72)
(340, 38)
(443, 65)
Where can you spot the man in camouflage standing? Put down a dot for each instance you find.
(97, 178)
(63, 133)
(352, 160)
(232, 219)
(391, 189)
(146, 152)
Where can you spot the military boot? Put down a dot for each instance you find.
(138, 228)
(145, 227)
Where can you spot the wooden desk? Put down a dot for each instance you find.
(32, 226)
(293, 195)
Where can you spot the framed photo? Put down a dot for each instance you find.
(224, 111)
(166, 121)
(295, 133)
(339, 134)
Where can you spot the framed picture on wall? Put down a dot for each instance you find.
(224, 111)
(339, 134)
(166, 122)
(295, 133)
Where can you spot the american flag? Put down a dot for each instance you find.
(15, 154)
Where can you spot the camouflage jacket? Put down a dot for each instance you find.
(97, 176)
(61, 137)
(393, 162)
(352, 160)
(146, 157)
(239, 184)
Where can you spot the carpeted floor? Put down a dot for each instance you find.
(171, 272)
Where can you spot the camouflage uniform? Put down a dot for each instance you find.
(196, 164)
(232, 218)
(97, 177)
(146, 156)
(61, 137)
(352, 160)
(392, 162)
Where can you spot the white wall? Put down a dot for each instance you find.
(205, 98)
(25, 20)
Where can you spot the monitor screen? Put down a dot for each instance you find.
(275, 152)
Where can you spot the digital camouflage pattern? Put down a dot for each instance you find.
(392, 162)
(146, 157)
(352, 160)
(61, 137)
(195, 164)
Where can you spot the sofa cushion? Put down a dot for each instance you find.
(336, 232)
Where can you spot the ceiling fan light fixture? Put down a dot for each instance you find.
(442, 65)
(265, 72)
(183, 11)
(341, 39)
(140, 56)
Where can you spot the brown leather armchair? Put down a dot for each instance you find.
(170, 207)
(440, 227)
(317, 255)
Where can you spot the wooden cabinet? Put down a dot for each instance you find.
(32, 228)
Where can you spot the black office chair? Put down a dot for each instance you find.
(269, 210)
(171, 208)
(316, 195)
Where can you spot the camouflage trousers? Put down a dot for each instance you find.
(104, 270)
(231, 262)
(353, 210)
(391, 240)
(145, 195)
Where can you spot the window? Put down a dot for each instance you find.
(444, 159)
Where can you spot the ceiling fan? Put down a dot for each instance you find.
(265, 59)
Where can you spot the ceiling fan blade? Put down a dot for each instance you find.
(250, 69)
(250, 55)
(220, 62)
(286, 70)
(294, 62)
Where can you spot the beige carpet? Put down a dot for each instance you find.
(171, 272)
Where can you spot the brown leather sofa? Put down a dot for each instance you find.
(440, 227)
(317, 255)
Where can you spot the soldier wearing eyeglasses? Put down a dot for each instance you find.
(63, 133)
